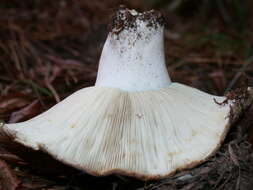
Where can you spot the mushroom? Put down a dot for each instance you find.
(134, 121)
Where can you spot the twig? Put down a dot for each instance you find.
(226, 181)
(223, 12)
(53, 91)
(239, 73)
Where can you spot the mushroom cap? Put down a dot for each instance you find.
(147, 134)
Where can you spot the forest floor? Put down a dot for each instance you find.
(50, 49)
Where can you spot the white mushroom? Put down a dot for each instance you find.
(134, 121)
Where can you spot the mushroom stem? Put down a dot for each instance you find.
(133, 55)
